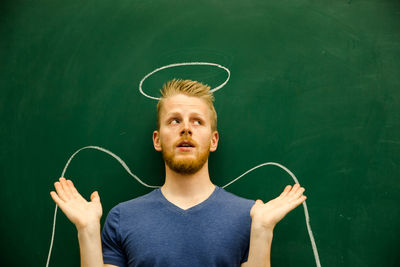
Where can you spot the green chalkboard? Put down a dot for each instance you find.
(314, 85)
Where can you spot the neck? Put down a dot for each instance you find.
(194, 187)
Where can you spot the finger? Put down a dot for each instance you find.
(60, 191)
(257, 203)
(300, 192)
(95, 197)
(293, 191)
(255, 206)
(297, 193)
(66, 187)
(56, 198)
(299, 201)
(295, 187)
(285, 191)
(72, 189)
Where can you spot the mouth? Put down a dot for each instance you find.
(185, 145)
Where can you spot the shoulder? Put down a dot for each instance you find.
(234, 199)
(136, 205)
(233, 204)
(233, 210)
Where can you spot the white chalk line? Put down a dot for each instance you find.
(184, 64)
(310, 234)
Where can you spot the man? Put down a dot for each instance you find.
(188, 221)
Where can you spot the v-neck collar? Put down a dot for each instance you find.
(171, 206)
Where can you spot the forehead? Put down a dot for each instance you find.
(184, 104)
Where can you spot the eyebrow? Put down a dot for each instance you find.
(176, 113)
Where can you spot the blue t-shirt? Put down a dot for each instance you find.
(151, 231)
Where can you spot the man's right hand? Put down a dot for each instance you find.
(80, 212)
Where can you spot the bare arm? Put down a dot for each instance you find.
(264, 218)
(85, 215)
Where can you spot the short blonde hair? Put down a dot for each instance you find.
(189, 88)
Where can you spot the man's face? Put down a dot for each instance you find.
(185, 136)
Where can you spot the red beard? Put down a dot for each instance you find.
(185, 165)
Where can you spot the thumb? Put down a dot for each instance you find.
(95, 196)
(257, 203)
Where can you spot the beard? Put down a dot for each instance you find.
(186, 165)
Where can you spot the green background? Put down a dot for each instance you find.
(314, 86)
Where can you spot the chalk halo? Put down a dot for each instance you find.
(184, 64)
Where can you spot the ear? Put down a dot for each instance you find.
(156, 141)
(214, 141)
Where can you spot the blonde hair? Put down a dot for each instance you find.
(189, 88)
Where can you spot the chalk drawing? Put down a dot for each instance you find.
(307, 217)
(310, 234)
(184, 64)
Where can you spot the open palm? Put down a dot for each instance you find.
(79, 211)
(269, 214)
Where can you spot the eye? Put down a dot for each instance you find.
(197, 122)
(174, 121)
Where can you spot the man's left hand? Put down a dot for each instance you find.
(266, 216)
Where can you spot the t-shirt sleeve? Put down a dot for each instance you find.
(245, 256)
(111, 240)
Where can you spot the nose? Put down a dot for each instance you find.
(186, 129)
